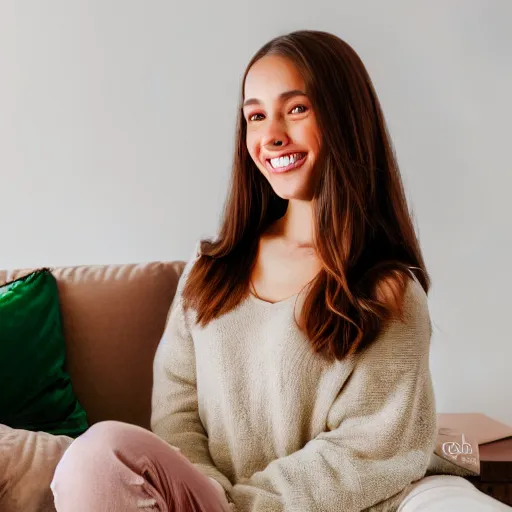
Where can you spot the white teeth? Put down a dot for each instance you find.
(284, 161)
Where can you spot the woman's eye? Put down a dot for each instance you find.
(256, 117)
(299, 109)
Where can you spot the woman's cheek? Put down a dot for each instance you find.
(251, 147)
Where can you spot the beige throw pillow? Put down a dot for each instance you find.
(27, 463)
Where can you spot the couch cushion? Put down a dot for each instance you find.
(27, 463)
(113, 318)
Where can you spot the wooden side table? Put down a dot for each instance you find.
(495, 470)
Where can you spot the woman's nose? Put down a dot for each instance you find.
(275, 137)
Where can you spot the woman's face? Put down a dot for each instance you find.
(283, 137)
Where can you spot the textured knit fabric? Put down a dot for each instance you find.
(284, 430)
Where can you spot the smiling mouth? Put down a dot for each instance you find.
(286, 162)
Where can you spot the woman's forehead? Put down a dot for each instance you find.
(271, 76)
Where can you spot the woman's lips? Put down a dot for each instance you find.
(287, 168)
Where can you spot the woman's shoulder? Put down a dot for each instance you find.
(403, 292)
(406, 336)
(194, 255)
(189, 262)
(411, 318)
(415, 300)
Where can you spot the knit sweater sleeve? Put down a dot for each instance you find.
(175, 416)
(379, 435)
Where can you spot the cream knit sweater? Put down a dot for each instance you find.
(281, 429)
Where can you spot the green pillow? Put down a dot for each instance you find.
(35, 389)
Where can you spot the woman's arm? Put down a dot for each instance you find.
(380, 431)
(175, 416)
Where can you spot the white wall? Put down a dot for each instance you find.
(117, 123)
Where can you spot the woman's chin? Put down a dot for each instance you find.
(293, 194)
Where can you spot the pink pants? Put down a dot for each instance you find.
(116, 467)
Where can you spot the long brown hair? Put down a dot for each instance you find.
(365, 238)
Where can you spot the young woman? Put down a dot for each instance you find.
(293, 375)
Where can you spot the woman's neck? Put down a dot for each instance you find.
(296, 226)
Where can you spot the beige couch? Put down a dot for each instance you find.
(113, 318)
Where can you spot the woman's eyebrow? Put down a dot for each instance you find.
(283, 96)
